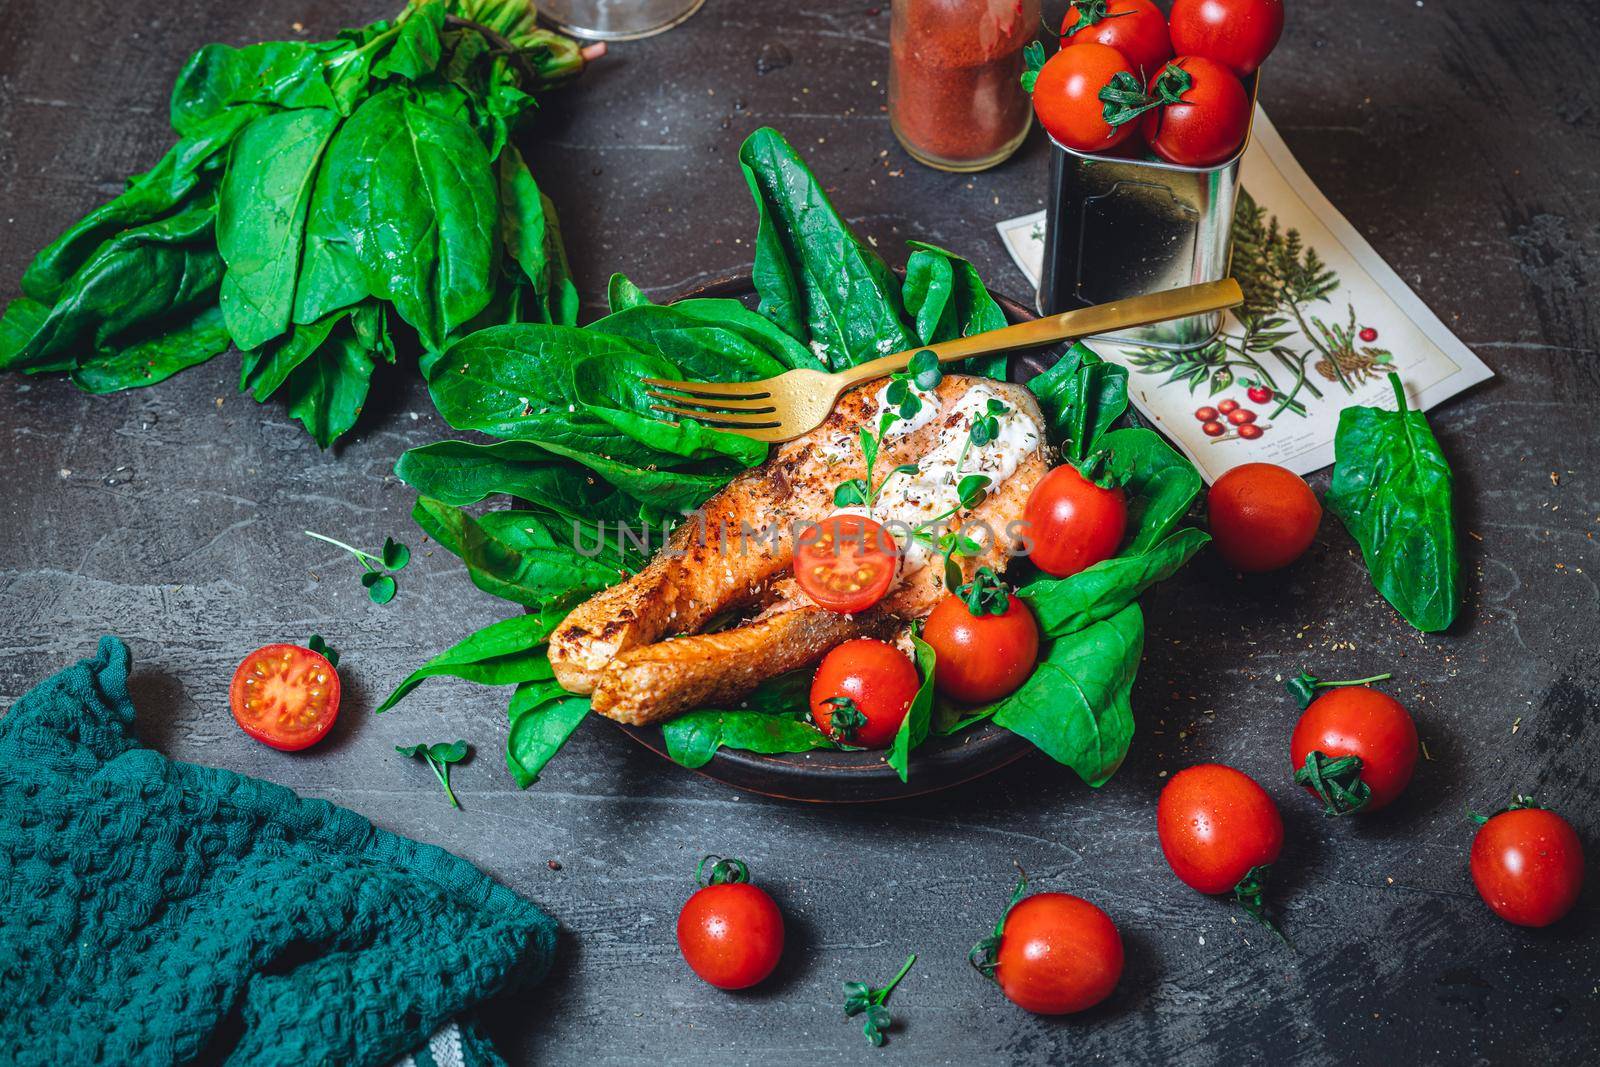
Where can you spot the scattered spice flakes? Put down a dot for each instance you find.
(1425, 753)
(1516, 724)
(1475, 535)
(1555, 478)
(554, 865)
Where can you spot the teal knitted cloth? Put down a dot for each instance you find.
(159, 912)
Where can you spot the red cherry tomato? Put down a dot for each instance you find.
(1216, 826)
(1228, 405)
(1207, 123)
(1368, 335)
(1249, 431)
(1206, 414)
(285, 696)
(1136, 28)
(1058, 954)
(1262, 516)
(981, 657)
(847, 563)
(1072, 522)
(877, 679)
(1260, 394)
(1240, 416)
(1527, 864)
(1361, 722)
(1066, 97)
(730, 932)
(1239, 34)
(1213, 429)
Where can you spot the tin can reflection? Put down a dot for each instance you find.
(1119, 227)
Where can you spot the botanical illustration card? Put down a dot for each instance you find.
(1324, 320)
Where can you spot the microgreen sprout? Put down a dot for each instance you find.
(378, 578)
(862, 999)
(439, 756)
(900, 402)
(321, 647)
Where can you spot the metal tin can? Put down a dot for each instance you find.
(1121, 227)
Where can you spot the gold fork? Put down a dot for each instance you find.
(796, 402)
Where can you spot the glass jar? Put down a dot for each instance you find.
(956, 100)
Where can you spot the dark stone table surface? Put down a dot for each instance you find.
(1461, 137)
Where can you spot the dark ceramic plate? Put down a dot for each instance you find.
(851, 777)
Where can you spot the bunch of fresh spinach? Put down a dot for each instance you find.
(1394, 492)
(580, 449)
(324, 199)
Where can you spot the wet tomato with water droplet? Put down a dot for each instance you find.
(285, 696)
(878, 680)
(1527, 864)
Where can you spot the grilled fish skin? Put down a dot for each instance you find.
(737, 556)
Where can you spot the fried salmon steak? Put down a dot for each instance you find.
(636, 647)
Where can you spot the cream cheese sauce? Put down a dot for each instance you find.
(909, 500)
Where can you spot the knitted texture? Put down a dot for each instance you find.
(159, 912)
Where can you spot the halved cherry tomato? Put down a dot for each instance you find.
(981, 657)
(1239, 34)
(1217, 829)
(1527, 864)
(1361, 722)
(1058, 954)
(1262, 516)
(285, 696)
(1073, 522)
(730, 932)
(846, 563)
(1066, 97)
(878, 680)
(1206, 124)
(1136, 28)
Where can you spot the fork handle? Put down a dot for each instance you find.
(1080, 322)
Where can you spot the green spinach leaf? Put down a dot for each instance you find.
(261, 214)
(919, 716)
(502, 653)
(142, 275)
(841, 289)
(1081, 396)
(518, 557)
(1076, 706)
(415, 198)
(159, 357)
(543, 717)
(948, 299)
(1394, 492)
(1067, 605)
(694, 737)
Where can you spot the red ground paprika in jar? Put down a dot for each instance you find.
(956, 100)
